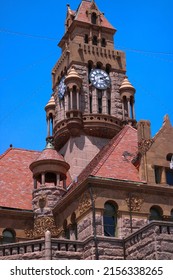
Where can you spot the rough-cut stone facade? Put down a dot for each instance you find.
(153, 242)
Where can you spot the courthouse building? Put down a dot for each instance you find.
(103, 186)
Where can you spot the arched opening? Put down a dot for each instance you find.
(73, 233)
(50, 178)
(94, 41)
(110, 219)
(66, 230)
(108, 68)
(109, 102)
(8, 236)
(86, 39)
(103, 42)
(94, 18)
(99, 99)
(156, 213)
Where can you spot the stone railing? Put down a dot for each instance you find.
(153, 241)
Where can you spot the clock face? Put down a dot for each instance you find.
(100, 79)
(61, 88)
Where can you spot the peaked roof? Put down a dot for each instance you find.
(16, 183)
(81, 13)
(114, 160)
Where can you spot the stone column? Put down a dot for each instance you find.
(95, 102)
(48, 253)
(104, 103)
(57, 179)
(163, 176)
(133, 109)
(43, 178)
(78, 99)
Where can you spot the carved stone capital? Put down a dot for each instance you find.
(134, 203)
(41, 225)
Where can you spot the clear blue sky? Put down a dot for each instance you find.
(29, 33)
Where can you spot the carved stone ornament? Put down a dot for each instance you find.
(134, 203)
(41, 225)
(144, 145)
(85, 202)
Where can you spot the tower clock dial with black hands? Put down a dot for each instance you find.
(61, 88)
(100, 79)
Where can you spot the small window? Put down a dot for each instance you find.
(86, 40)
(90, 104)
(155, 213)
(103, 42)
(66, 230)
(169, 177)
(73, 227)
(8, 236)
(95, 40)
(94, 18)
(110, 219)
(158, 174)
(99, 101)
(109, 104)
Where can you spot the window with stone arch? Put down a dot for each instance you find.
(66, 230)
(8, 236)
(110, 219)
(156, 213)
(73, 234)
(94, 18)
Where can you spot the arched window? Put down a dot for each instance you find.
(66, 230)
(73, 227)
(8, 236)
(109, 102)
(94, 18)
(99, 96)
(110, 219)
(155, 213)
(95, 40)
(86, 39)
(103, 42)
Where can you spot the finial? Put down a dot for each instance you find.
(49, 143)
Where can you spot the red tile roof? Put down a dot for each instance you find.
(16, 183)
(50, 154)
(81, 14)
(114, 160)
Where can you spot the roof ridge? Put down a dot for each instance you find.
(92, 164)
(18, 149)
(6, 152)
(114, 142)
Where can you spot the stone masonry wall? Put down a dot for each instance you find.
(153, 242)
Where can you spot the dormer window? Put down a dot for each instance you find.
(94, 18)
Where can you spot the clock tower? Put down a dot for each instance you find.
(92, 97)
